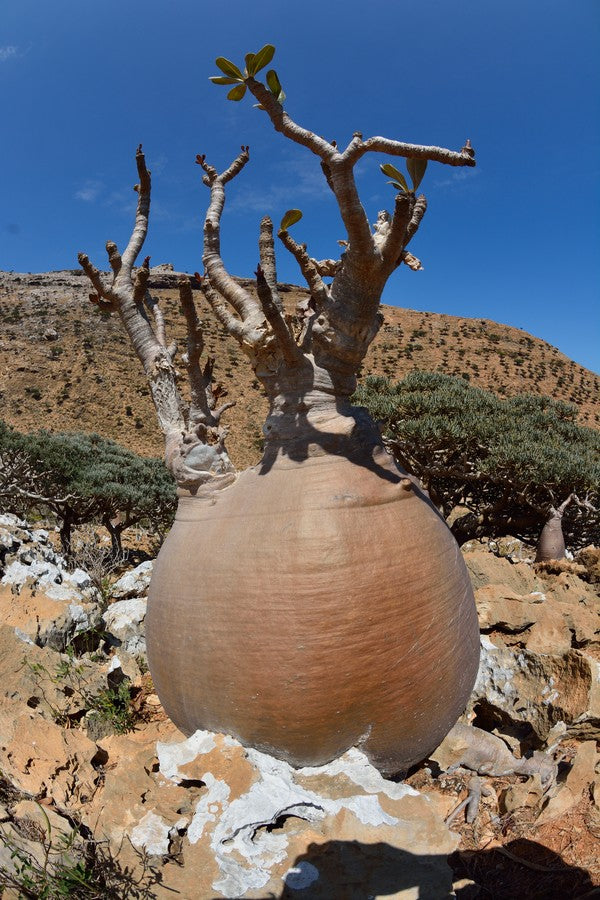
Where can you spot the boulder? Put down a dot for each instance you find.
(49, 604)
(538, 690)
(42, 759)
(124, 624)
(579, 777)
(225, 821)
(134, 583)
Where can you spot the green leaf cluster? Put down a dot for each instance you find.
(232, 75)
(85, 478)
(290, 218)
(416, 170)
(508, 460)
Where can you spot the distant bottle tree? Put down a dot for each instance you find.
(83, 478)
(519, 466)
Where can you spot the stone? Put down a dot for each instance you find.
(40, 758)
(485, 568)
(47, 620)
(134, 583)
(539, 689)
(124, 623)
(44, 680)
(247, 825)
(579, 777)
(527, 795)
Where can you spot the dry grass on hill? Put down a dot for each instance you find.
(66, 366)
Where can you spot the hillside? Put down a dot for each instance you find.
(66, 366)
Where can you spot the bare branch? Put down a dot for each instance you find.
(396, 237)
(286, 126)
(199, 407)
(352, 211)
(159, 320)
(233, 325)
(196, 454)
(266, 249)
(327, 268)
(140, 282)
(411, 261)
(94, 275)
(357, 149)
(236, 166)
(219, 277)
(419, 210)
(290, 350)
(140, 228)
(114, 257)
(308, 267)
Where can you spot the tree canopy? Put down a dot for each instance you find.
(506, 462)
(83, 478)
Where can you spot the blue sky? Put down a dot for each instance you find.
(515, 240)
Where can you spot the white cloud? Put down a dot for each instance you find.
(8, 52)
(456, 178)
(296, 179)
(89, 191)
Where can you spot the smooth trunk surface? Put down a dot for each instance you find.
(321, 605)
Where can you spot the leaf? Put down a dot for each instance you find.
(223, 79)
(416, 170)
(398, 186)
(290, 218)
(274, 83)
(237, 92)
(262, 58)
(229, 68)
(250, 62)
(392, 172)
(280, 98)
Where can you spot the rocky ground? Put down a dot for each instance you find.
(101, 796)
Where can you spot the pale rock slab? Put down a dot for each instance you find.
(134, 583)
(540, 689)
(124, 622)
(257, 832)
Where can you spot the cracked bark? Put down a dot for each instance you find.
(195, 451)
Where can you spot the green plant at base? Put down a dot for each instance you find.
(113, 705)
(71, 866)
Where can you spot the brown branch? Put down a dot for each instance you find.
(419, 210)
(219, 277)
(285, 340)
(266, 250)
(286, 125)
(308, 267)
(114, 257)
(234, 326)
(357, 149)
(94, 276)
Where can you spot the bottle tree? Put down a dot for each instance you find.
(316, 601)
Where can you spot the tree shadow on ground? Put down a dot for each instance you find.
(351, 870)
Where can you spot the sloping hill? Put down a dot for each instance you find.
(66, 366)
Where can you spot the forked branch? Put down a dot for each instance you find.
(195, 451)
